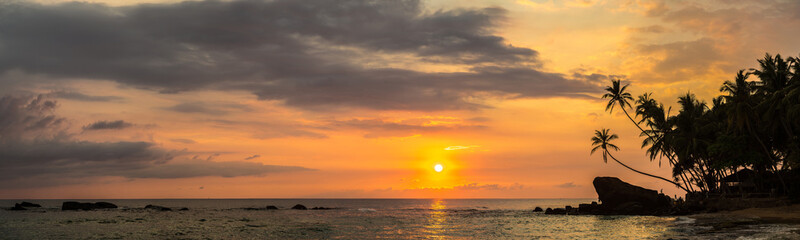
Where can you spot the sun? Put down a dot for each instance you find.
(438, 168)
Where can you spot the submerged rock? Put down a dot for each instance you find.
(17, 207)
(299, 207)
(86, 206)
(29, 204)
(557, 211)
(270, 207)
(537, 209)
(158, 208)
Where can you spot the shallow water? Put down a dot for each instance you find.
(354, 219)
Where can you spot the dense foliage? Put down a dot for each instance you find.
(746, 135)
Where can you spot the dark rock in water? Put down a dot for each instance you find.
(158, 208)
(86, 206)
(619, 197)
(105, 205)
(585, 208)
(537, 209)
(270, 207)
(558, 211)
(17, 207)
(29, 204)
(299, 207)
(184, 209)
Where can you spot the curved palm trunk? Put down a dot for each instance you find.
(644, 173)
(662, 149)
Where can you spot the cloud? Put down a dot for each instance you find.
(453, 148)
(304, 54)
(476, 186)
(567, 185)
(183, 140)
(36, 151)
(104, 125)
(27, 117)
(252, 157)
(190, 169)
(683, 59)
(207, 108)
(82, 97)
(268, 130)
(649, 29)
(376, 127)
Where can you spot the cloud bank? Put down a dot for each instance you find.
(305, 54)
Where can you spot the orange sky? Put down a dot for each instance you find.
(352, 99)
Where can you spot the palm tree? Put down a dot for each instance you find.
(618, 96)
(602, 141)
(741, 111)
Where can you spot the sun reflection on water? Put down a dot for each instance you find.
(437, 219)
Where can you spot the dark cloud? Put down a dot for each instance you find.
(207, 108)
(34, 145)
(27, 116)
(82, 97)
(252, 157)
(103, 125)
(291, 51)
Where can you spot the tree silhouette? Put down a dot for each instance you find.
(602, 141)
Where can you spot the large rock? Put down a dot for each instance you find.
(538, 209)
(299, 207)
(619, 197)
(86, 206)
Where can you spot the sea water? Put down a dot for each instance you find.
(352, 219)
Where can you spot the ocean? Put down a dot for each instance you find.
(355, 219)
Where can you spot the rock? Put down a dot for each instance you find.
(158, 208)
(619, 197)
(104, 205)
(537, 209)
(299, 207)
(585, 208)
(270, 207)
(558, 211)
(29, 204)
(17, 207)
(86, 206)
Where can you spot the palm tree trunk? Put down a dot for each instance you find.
(644, 173)
(662, 148)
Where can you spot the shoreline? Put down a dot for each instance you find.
(782, 215)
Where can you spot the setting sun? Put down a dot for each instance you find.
(438, 168)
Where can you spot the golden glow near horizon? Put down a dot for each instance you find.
(339, 116)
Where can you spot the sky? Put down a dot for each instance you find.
(352, 98)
